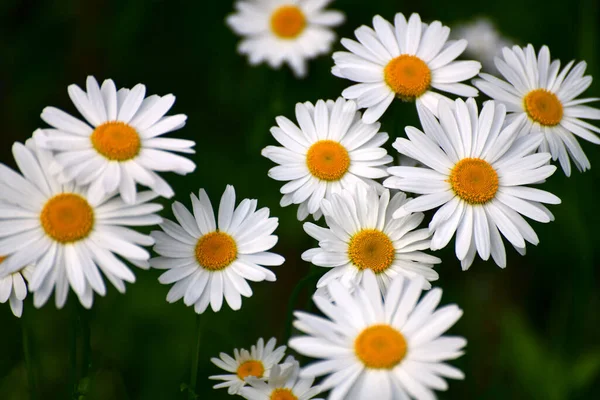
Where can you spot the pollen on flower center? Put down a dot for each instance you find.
(250, 368)
(282, 394)
(408, 76)
(116, 141)
(474, 180)
(544, 107)
(67, 218)
(328, 160)
(380, 347)
(371, 249)
(288, 22)
(216, 251)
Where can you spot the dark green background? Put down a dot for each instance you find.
(533, 329)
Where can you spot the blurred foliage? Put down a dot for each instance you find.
(533, 328)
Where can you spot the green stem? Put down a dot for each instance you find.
(86, 360)
(289, 315)
(73, 354)
(27, 341)
(195, 359)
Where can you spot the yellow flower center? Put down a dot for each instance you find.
(2, 258)
(282, 394)
(67, 218)
(216, 251)
(116, 141)
(328, 160)
(288, 22)
(380, 347)
(544, 107)
(474, 180)
(371, 249)
(251, 368)
(408, 76)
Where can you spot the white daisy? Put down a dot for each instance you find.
(485, 41)
(278, 31)
(546, 100)
(333, 149)
(362, 236)
(14, 289)
(207, 261)
(122, 146)
(475, 168)
(257, 363)
(283, 384)
(388, 349)
(68, 233)
(405, 60)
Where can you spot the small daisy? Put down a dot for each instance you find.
(207, 261)
(122, 146)
(14, 288)
(476, 167)
(283, 384)
(405, 60)
(69, 234)
(278, 31)
(333, 149)
(546, 99)
(485, 41)
(362, 236)
(384, 349)
(257, 363)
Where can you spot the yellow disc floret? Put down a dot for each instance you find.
(2, 258)
(544, 107)
(216, 251)
(380, 347)
(288, 22)
(371, 249)
(474, 180)
(328, 160)
(116, 141)
(408, 76)
(282, 394)
(251, 368)
(67, 218)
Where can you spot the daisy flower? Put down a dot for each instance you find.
(282, 384)
(384, 349)
(332, 149)
(485, 41)
(119, 145)
(546, 99)
(405, 60)
(208, 261)
(70, 235)
(362, 235)
(290, 31)
(257, 363)
(476, 168)
(14, 289)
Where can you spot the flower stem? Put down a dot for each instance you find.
(73, 354)
(289, 315)
(195, 359)
(27, 341)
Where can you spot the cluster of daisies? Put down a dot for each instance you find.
(475, 165)
(68, 219)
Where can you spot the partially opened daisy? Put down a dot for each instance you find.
(362, 235)
(284, 31)
(13, 288)
(284, 383)
(70, 234)
(256, 363)
(119, 146)
(332, 149)
(546, 99)
(476, 168)
(380, 348)
(407, 60)
(207, 261)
